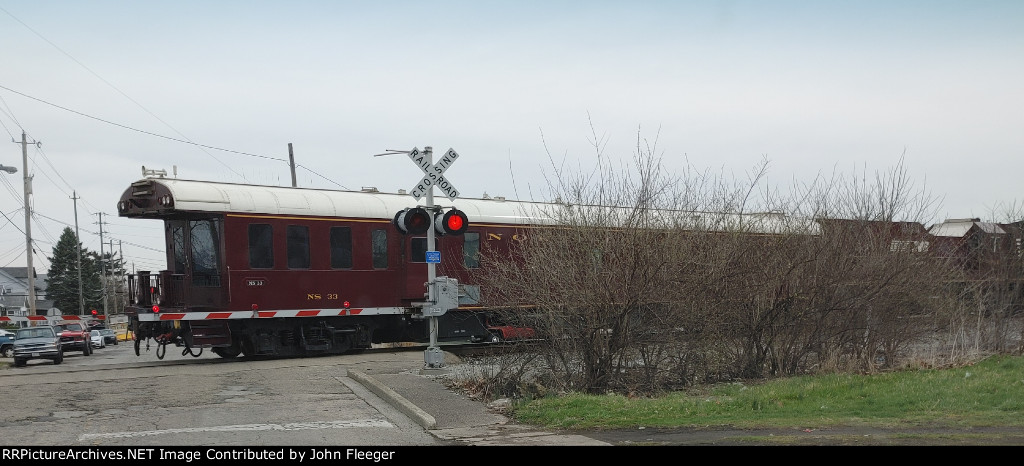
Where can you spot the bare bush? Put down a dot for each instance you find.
(990, 289)
(649, 281)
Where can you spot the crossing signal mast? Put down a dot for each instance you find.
(442, 292)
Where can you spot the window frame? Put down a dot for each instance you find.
(298, 247)
(379, 248)
(339, 249)
(466, 253)
(268, 252)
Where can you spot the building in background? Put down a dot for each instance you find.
(14, 294)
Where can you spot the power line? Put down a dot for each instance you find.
(183, 141)
(321, 176)
(96, 233)
(111, 86)
(31, 213)
(12, 223)
(9, 115)
(39, 150)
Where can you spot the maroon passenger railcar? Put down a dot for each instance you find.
(278, 271)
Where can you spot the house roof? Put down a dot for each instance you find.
(21, 274)
(15, 272)
(958, 228)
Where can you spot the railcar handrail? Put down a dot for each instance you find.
(162, 289)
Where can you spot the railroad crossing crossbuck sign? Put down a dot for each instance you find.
(434, 173)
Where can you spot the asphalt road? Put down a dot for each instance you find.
(113, 398)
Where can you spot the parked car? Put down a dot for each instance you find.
(96, 338)
(6, 343)
(73, 336)
(37, 343)
(109, 335)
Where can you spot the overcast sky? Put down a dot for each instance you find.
(813, 86)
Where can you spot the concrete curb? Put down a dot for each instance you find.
(398, 401)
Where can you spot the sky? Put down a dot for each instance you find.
(217, 90)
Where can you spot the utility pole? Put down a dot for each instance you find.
(103, 270)
(114, 280)
(291, 163)
(28, 226)
(119, 306)
(78, 256)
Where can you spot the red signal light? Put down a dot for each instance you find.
(156, 309)
(455, 222)
(412, 221)
(94, 312)
(452, 222)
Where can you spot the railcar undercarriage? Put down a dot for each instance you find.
(263, 338)
(297, 337)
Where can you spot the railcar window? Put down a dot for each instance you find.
(419, 250)
(471, 250)
(298, 247)
(205, 236)
(341, 248)
(379, 240)
(261, 246)
(178, 246)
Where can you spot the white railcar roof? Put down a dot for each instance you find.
(205, 196)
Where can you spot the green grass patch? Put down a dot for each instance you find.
(989, 393)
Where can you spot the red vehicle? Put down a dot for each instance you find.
(278, 271)
(75, 337)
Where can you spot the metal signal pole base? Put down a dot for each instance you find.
(433, 359)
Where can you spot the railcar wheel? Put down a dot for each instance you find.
(342, 344)
(228, 352)
(248, 349)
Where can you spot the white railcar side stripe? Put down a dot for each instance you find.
(167, 316)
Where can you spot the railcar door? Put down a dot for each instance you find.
(195, 252)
